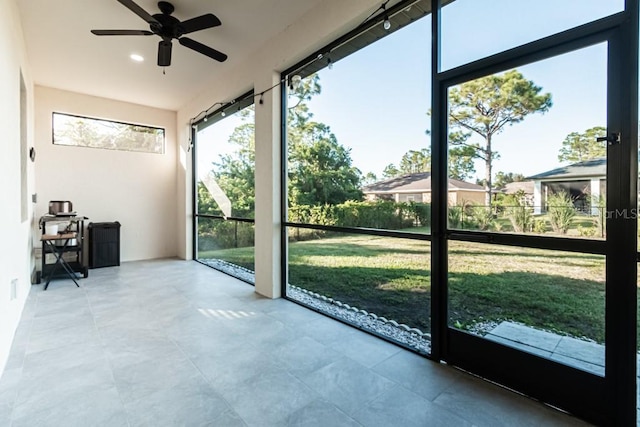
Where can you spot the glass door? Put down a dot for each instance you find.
(535, 222)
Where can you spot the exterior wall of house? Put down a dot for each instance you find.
(456, 197)
(465, 197)
(136, 189)
(409, 197)
(16, 177)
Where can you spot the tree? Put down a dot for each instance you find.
(504, 178)
(369, 178)
(485, 106)
(235, 172)
(320, 169)
(391, 171)
(578, 147)
(414, 161)
(461, 163)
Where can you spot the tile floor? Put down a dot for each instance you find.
(175, 343)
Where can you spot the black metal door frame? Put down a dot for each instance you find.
(603, 400)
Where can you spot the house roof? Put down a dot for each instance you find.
(587, 169)
(514, 187)
(415, 182)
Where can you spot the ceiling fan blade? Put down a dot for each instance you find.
(122, 32)
(200, 23)
(200, 48)
(164, 53)
(139, 11)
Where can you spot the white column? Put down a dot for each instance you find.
(268, 169)
(537, 197)
(595, 195)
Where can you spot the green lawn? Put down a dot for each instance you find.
(390, 277)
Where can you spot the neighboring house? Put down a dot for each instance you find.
(523, 187)
(584, 181)
(416, 187)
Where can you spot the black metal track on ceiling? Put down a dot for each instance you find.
(230, 107)
(400, 15)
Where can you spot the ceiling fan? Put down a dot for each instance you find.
(169, 28)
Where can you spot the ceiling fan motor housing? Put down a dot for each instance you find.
(169, 26)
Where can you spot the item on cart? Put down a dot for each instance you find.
(61, 208)
(51, 229)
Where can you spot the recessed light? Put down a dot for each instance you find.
(136, 57)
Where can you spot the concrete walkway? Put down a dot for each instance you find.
(585, 355)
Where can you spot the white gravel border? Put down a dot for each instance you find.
(398, 332)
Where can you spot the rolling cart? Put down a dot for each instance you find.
(62, 253)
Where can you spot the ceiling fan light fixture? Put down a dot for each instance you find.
(136, 57)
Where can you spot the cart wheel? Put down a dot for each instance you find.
(38, 277)
(86, 273)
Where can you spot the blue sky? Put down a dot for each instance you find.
(376, 100)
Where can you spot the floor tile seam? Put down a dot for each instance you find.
(274, 316)
(456, 414)
(399, 351)
(322, 399)
(35, 409)
(93, 332)
(301, 374)
(378, 395)
(11, 410)
(160, 389)
(21, 320)
(111, 365)
(370, 371)
(458, 377)
(206, 379)
(30, 327)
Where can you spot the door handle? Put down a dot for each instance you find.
(611, 139)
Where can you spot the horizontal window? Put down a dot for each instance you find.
(96, 133)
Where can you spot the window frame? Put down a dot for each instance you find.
(77, 116)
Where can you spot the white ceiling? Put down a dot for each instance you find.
(64, 54)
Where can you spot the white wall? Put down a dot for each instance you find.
(318, 27)
(15, 252)
(136, 189)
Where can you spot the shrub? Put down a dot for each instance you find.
(222, 234)
(587, 231)
(421, 213)
(518, 212)
(482, 216)
(539, 226)
(561, 211)
(378, 214)
(454, 215)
